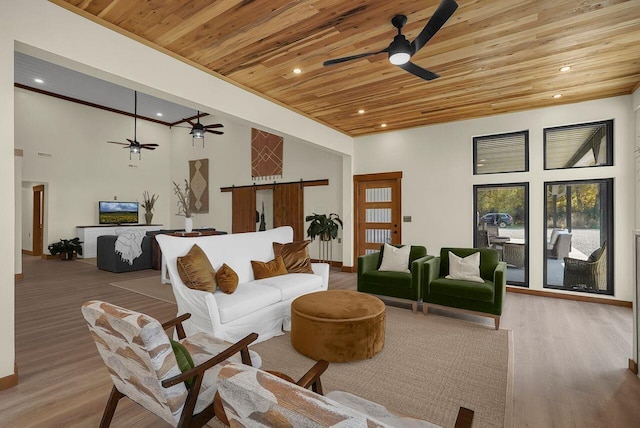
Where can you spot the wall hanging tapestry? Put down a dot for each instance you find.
(266, 155)
(199, 185)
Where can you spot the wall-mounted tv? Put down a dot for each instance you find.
(116, 212)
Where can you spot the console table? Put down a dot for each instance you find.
(89, 235)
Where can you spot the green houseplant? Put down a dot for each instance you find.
(66, 248)
(326, 228)
(323, 226)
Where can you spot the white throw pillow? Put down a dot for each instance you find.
(395, 259)
(464, 268)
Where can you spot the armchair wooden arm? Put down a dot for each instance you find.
(312, 377)
(177, 322)
(241, 346)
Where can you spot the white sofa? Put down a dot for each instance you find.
(260, 306)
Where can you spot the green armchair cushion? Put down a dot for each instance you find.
(463, 289)
(386, 278)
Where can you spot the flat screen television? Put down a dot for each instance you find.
(116, 212)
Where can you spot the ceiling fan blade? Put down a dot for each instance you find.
(419, 71)
(214, 132)
(441, 15)
(117, 142)
(131, 141)
(216, 125)
(349, 58)
(144, 146)
(149, 145)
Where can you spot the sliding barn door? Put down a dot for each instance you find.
(288, 208)
(243, 205)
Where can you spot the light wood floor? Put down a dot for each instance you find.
(570, 357)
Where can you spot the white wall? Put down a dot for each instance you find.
(230, 164)
(83, 168)
(18, 214)
(437, 185)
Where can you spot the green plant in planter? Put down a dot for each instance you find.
(66, 248)
(323, 226)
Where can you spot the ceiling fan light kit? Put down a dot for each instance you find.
(198, 130)
(134, 146)
(400, 50)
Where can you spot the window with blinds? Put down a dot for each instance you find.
(579, 146)
(501, 153)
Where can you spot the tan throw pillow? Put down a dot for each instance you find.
(196, 271)
(295, 256)
(227, 279)
(275, 267)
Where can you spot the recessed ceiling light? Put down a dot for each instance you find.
(384, 125)
(38, 80)
(557, 96)
(565, 68)
(159, 114)
(361, 111)
(297, 70)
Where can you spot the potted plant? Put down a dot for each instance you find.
(323, 226)
(326, 228)
(184, 208)
(148, 203)
(66, 248)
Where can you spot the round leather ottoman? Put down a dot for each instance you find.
(338, 325)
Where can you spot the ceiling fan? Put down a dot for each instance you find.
(134, 146)
(198, 130)
(400, 50)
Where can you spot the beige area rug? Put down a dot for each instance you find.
(430, 366)
(150, 286)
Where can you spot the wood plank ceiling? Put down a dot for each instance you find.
(494, 56)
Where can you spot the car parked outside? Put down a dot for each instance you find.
(501, 219)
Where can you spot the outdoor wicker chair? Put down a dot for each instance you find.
(590, 274)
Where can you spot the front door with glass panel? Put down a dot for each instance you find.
(377, 211)
(501, 223)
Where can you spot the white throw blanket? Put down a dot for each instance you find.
(129, 245)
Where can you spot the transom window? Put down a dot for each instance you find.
(501, 153)
(579, 146)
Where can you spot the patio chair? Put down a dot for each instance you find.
(559, 246)
(144, 368)
(590, 274)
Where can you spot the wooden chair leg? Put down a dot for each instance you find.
(109, 411)
(414, 307)
(497, 322)
(425, 308)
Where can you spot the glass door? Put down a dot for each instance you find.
(502, 223)
(579, 235)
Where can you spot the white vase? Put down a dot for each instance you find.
(188, 224)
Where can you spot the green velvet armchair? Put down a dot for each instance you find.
(393, 284)
(472, 297)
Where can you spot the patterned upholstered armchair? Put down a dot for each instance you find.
(143, 366)
(252, 397)
(590, 274)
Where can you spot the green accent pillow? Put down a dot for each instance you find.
(185, 362)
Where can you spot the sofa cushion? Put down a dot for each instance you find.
(196, 271)
(383, 278)
(293, 284)
(463, 289)
(227, 279)
(248, 298)
(268, 269)
(295, 256)
(395, 259)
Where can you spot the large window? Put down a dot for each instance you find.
(501, 153)
(579, 235)
(501, 223)
(579, 146)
